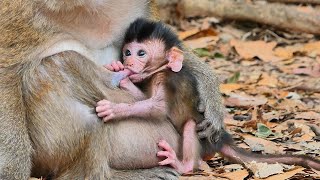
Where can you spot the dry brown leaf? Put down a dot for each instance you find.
(233, 167)
(308, 115)
(304, 66)
(259, 144)
(265, 90)
(202, 42)
(198, 178)
(310, 84)
(236, 175)
(307, 133)
(311, 146)
(204, 167)
(185, 34)
(251, 78)
(290, 146)
(287, 52)
(286, 175)
(243, 100)
(243, 146)
(225, 49)
(263, 170)
(202, 176)
(280, 94)
(304, 137)
(228, 88)
(251, 124)
(291, 105)
(203, 33)
(312, 48)
(296, 131)
(229, 121)
(251, 49)
(318, 172)
(272, 115)
(313, 71)
(267, 80)
(233, 31)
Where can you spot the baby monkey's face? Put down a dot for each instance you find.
(144, 57)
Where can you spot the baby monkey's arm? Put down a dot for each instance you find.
(120, 78)
(154, 107)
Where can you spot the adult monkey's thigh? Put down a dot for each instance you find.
(15, 145)
(70, 141)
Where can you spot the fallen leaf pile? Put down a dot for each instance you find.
(271, 89)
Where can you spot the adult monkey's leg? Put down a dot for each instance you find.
(14, 139)
(154, 173)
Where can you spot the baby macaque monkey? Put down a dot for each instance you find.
(153, 57)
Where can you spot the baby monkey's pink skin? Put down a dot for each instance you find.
(188, 146)
(145, 60)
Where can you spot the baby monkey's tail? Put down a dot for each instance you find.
(235, 154)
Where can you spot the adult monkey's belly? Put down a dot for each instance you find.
(135, 142)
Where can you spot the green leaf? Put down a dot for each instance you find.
(202, 52)
(263, 131)
(218, 55)
(234, 78)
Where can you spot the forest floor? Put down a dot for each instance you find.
(271, 90)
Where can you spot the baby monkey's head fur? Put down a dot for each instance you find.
(151, 47)
(144, 29)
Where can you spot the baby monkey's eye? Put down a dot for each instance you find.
(127, 53)
(141, 53)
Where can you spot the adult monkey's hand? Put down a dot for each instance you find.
(210, 99)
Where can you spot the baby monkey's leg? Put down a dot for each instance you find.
(190, 148)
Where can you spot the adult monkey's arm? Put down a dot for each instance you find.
(210, 98)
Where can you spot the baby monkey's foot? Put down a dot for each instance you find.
(172, 159)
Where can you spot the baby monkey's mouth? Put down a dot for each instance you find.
(127, 71)
(131, 70)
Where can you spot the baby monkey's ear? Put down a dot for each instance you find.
(175, 58)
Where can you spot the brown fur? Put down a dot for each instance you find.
(46, 121)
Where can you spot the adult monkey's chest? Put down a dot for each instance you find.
(95, 32)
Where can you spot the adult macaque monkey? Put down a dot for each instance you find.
(51, 79)
(153, 56)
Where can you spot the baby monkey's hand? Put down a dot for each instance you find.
(115, 66)
(120, 72)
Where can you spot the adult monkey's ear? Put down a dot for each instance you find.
(175, 58)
